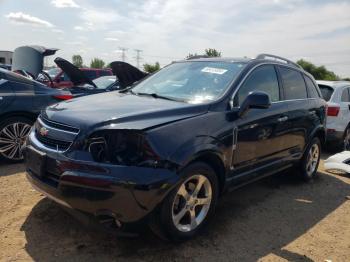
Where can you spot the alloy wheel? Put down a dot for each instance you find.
(192, 203)
(12, 138)
(312, 159)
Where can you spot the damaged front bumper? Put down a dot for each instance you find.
(127, 193)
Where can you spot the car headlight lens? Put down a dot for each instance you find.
(121, 147)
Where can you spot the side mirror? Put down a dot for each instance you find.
(256, 99)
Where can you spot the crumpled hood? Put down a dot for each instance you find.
(116, 110)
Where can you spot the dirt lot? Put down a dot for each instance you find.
(276, 219)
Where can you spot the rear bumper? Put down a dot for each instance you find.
(127, 193)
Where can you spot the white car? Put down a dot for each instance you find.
(337, 95)
(338, 163)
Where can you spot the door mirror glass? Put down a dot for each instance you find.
(255, 99)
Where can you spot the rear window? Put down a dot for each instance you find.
(293, 83)
(326, 91)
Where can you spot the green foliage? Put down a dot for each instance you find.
(97, 63)
(191, 55)
(151, 68)
(318, 72)
(77, 60)
(212, 52)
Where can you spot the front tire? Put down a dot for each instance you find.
(186, 210)
(13, 133)
(311, 159)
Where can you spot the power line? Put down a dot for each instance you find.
(138, 57)
(123, 49)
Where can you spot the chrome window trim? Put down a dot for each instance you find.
(250, 72)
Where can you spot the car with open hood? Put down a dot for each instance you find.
(124, 75)
(165, 149)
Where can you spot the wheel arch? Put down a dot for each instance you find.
(29, 115)
(216, 163)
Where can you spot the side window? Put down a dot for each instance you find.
(264, 79)
(65, 77)
(105, 73)
(293, 83)
(90, 74)
(345, 95)
(311, 88)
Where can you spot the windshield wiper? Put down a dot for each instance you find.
(155, 95)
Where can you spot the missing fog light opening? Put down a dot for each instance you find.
(122, 148)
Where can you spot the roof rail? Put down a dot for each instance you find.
(275, 57)
(197, 57)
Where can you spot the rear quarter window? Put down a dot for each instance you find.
(311, 88)
(293, 84)
(326, 91)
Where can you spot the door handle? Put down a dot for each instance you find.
(282, 119)
(349, 107)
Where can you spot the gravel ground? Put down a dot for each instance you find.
(276, 219)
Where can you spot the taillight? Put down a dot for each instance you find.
(63, 97)
(333, 110)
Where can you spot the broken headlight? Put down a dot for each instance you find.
(121, 147)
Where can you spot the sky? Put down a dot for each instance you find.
(168, 30)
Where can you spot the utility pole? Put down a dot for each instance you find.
(138, 57)
(123, 49)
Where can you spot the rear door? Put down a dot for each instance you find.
(301, 112)
(261, 132)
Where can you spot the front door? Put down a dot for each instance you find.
(260, 132)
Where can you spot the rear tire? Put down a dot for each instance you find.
(346, 140)
(310, 160)
(13, 133)
(188, 208)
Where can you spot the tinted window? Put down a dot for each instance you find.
(293, 83)
(105, 73)
(90, 74)
(326, 91)
(345, 95)
(311, 88)
(264, 79)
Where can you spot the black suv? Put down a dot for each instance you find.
(164, 150)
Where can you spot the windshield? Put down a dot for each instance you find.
(53, 72)
(326, 91)
(193, 82)
(104, 82)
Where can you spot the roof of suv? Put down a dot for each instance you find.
(333, 84)
(260, 58)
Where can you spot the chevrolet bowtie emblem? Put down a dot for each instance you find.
(43, 131)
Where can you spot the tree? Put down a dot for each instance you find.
(97, 63)
(318, 72)
(212, 52)
(151, 68)
(191, 55)
(77, 60)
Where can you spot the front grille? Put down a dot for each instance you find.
(59, 125)
(53, 143)
(53, 135)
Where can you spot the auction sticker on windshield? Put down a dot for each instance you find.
(213, 70)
